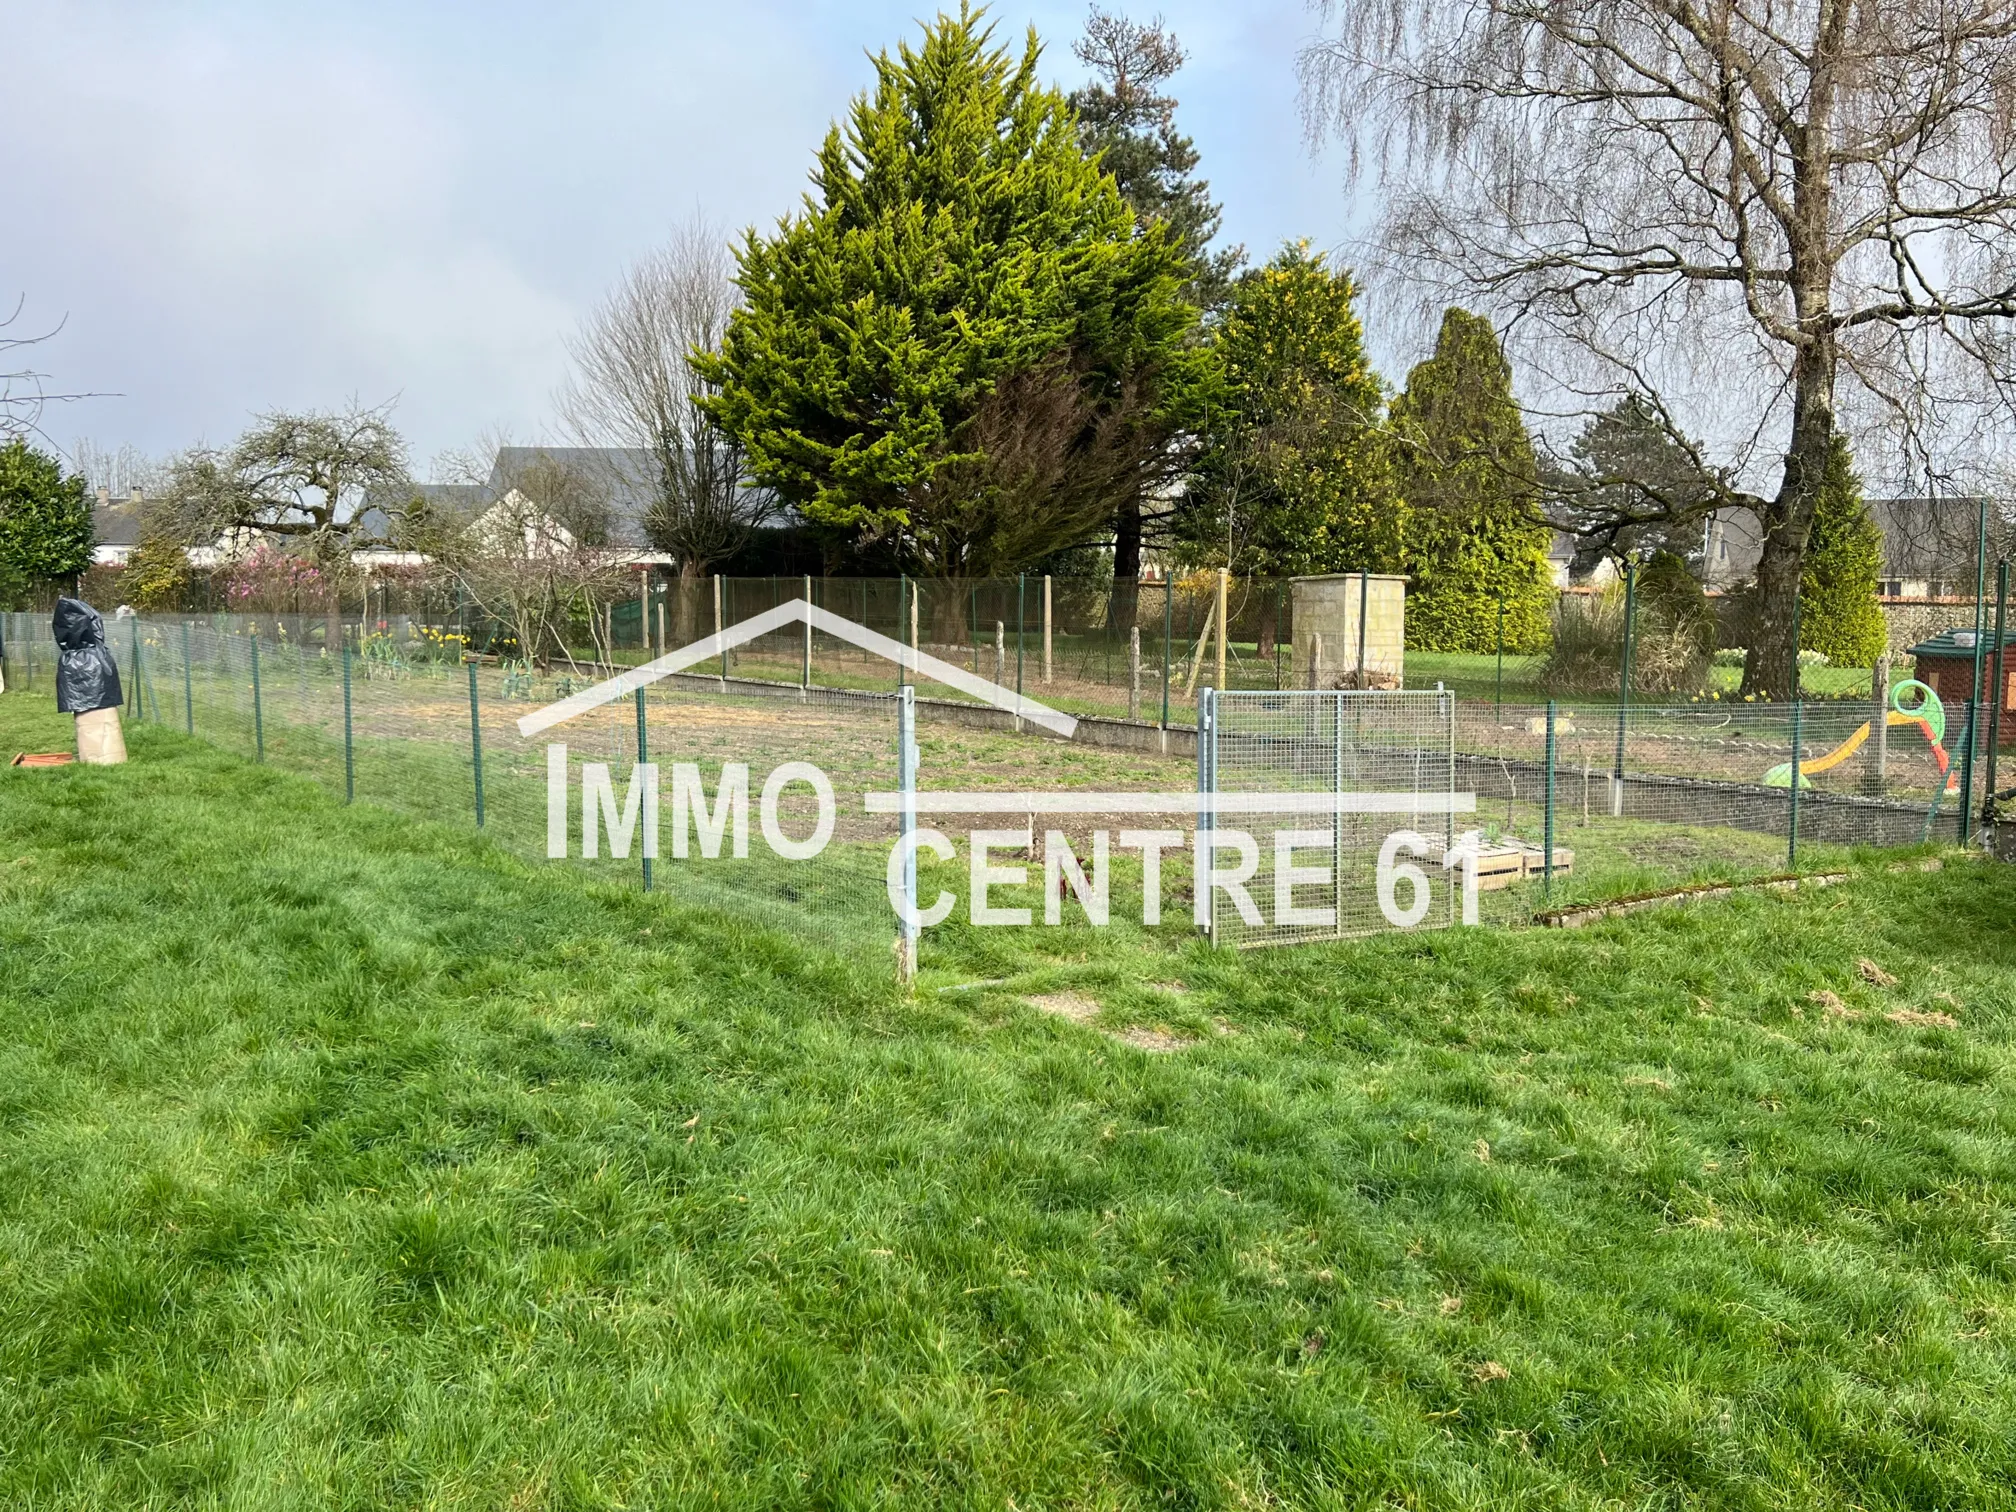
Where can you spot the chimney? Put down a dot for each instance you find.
(104, 497)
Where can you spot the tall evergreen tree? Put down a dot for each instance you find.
(961, 344)
(1129, 123)
(45, 521)
(1839, 615)
(1466, 468)
(1630, 488)
(1131, 126)
(1294, 477)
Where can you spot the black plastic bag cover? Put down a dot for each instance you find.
(87, 677)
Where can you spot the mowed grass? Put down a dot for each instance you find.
(346, 1161)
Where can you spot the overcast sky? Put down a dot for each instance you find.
(237, 206)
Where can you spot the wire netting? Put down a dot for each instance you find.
(1638, 797)
(1384, 762)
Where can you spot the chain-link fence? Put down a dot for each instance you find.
(1531, 804)
(1127, 650)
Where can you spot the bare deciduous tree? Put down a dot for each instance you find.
(1786, 205)
(23, 391)
(122, 474)
(303, 478)
(534, 554)
(637, 390)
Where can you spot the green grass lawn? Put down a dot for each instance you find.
(349, 1161)
(1475, 678)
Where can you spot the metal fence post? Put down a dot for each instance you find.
(805, 671)
(1168, 639)
(643, 755)
(258, 707)
(139, 711)
(1337, 813)
(1624, 688)
(1207, 778)
(476, 743)
(1547, 820)
(1021, 632)
(1878, 775)
(188, 688)
(902, 615)
(1798, 777)
(1134, 672)
(1798, 758)
(906, 775)
(1364, 604)
(1500, 716)
(1224, 588)
(1279, 638)
(1998, 690)
(1974, 685)
(349, 746)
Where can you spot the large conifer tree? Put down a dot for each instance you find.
(961, 343)
(1466, 468)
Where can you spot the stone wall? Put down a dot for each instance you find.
(1915, 620)
(1328, 606)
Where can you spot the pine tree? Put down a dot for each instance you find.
(1131, 127)
(1294, 478)
(45, 521)
(961, 344)
(1839, 615)
(1466, 468)
(1630, 487)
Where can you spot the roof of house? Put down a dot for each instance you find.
(1925, 539)
(626, 474)
(1935, 538)
(1959, 642)
(115, 524)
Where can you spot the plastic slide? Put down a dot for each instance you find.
(1925, 711)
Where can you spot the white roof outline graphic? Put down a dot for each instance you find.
(796, 611)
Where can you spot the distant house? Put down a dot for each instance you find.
(1928, 546)
(1563, 552)
(1731, 543)
(627, 476)
(116, 528)
(623, 475)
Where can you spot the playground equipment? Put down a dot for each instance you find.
(1925, 711)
